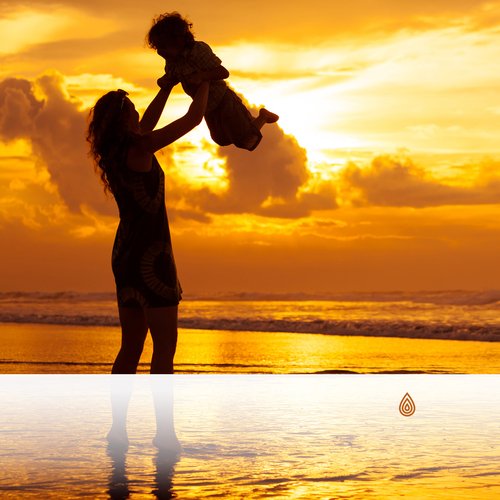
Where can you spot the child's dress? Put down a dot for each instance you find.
(228, 119)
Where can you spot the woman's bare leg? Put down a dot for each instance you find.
(134, 332)
(165, 438)
(121, 390)
(162, 323)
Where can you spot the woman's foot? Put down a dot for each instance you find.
(118, 438)
(267, 116)
(168, 443)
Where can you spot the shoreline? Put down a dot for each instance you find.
(488, 337)
(143, 369)
(47, 348)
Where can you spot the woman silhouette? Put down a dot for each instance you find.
(148, 290)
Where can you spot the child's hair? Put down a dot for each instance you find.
(167, 27)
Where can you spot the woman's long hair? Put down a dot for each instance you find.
(108, 134)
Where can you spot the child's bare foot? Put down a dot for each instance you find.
(267, 116)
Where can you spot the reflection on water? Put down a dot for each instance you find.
(162, 483)
(249, 436)
(30, 348)
(165, 439)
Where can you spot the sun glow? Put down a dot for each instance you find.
(200, 166)
(25, 28)
(396, 107)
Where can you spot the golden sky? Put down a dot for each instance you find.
(382, 173)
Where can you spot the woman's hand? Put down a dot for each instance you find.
(166, 81)
(153, 112)
(154, 140)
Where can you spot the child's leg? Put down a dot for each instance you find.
(264, 117)
(231, 123)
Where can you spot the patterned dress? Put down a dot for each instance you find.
(142, 258)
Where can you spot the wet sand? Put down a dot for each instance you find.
(253, 436)
(43, 348)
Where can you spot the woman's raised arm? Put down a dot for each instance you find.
(155, 140)
(153, 112)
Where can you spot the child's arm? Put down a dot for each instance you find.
(153, 112)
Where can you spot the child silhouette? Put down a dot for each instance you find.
(191, 62)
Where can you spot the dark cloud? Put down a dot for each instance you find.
(18, 108)
(56, 129)
(272, 181)
(393, 182)
(266, 181)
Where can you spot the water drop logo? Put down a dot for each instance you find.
(407, 406)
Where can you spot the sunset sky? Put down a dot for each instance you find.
(383, 172)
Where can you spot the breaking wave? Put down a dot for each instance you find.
(450, 315)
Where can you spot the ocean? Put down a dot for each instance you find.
(454, 315)
(301, 423)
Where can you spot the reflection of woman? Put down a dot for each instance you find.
(148, 290)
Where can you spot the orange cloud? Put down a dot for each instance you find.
(400, 183)
(43, 114)
(269, 181)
